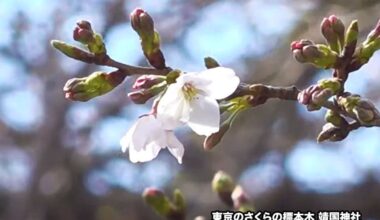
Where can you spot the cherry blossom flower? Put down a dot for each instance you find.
(192, 99)
(147, 137)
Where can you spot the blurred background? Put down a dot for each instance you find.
(61, 160)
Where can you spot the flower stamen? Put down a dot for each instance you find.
(189, 91)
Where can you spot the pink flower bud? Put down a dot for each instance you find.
(152, 192)
(142, 22)
(83, 32)
(147, 81)
(141, 96)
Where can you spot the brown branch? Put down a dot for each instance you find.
(132, 70)
(261, 93)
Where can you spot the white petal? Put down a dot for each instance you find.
(126, 140)
(146, 129)
(173, 109)
(204, 115)
(175, 146)
(148, 153)
(223, 82)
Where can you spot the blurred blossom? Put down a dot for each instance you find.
(123, 44)
(323, 170)
(365, 77)
(81, 115)
(12, 109)
(15, 168)
(36, 10)
(363, 149)
(53, 181)
(272, 17)
(134, 111)
(178, 59)
(153, 7)
(132, 177)
(96, 183)
(209, 35)
(12, 74)
(264, 176)
(106, 134)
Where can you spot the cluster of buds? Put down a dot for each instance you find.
(143, 24)
(231, 194)
(96, 84)
(315, 96)
(162, 205)
(320, 55)
(361, 109)
(84, 34)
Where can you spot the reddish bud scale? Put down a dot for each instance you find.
(156, 59)
(115, 77)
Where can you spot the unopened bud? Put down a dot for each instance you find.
(311, 52)
(172, 76)
(315, 96)
(374, 34)
(156, 59)
(240, 200)
(143, 95)
(147, 81)
(140, 97)
(142, 22)
(367, 113)
(179, 201)
(223, 185)
(212, 140)
(327, 58)
(366, 51)
(97, 46)
(96, 84)
(351, 39)
(72, 51)
(338, 27)
(320, 97)
(332, 133)
(157, 200)
(211, 62)
(83, 32)
(329, 33)
(352, 32)
(335, 118)
(332, 84)
(298, 45)
(317, 54)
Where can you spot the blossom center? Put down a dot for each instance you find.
(189, 91)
